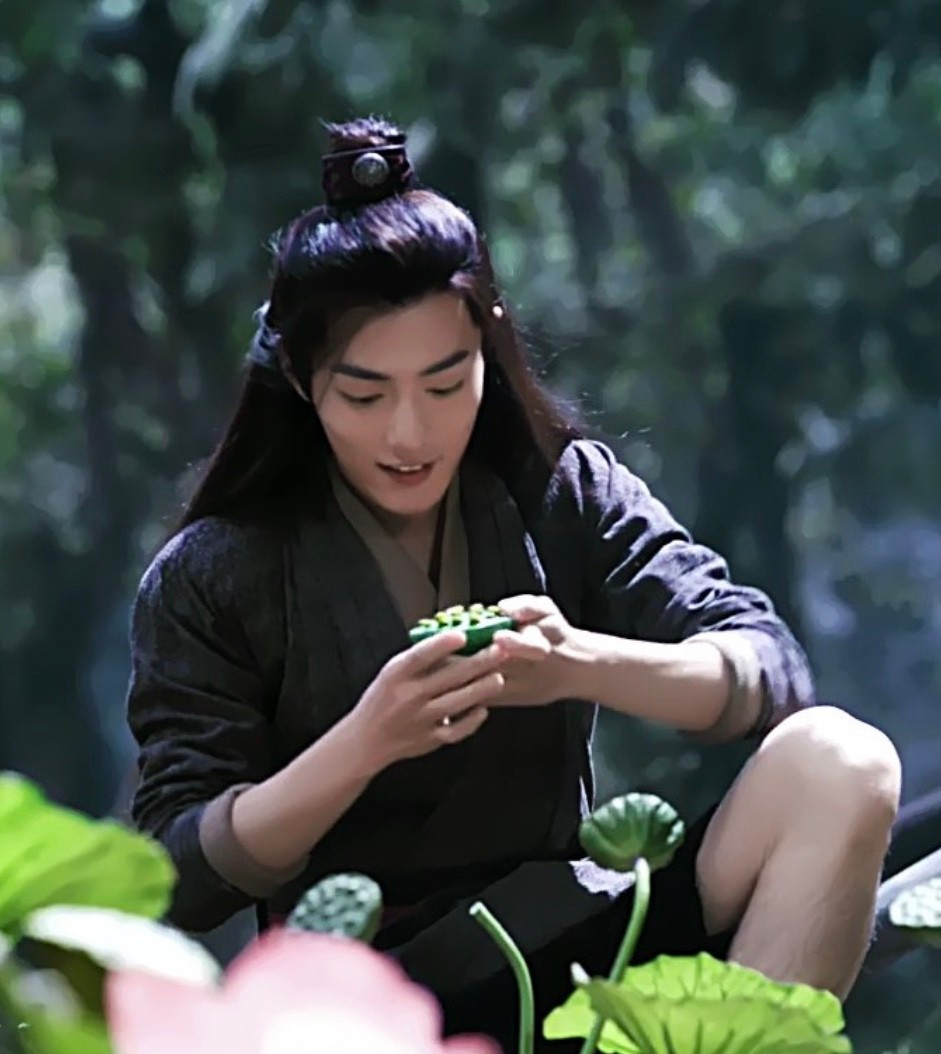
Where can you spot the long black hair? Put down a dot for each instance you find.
(365, 250)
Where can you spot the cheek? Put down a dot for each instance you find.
(456, 417)
(475, 393)
(477, 380)
(344, 427)
(474, 399)
(472, 395)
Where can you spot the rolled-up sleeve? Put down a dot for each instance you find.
(651, 581)
(198, 706)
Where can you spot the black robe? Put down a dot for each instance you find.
(249, 642)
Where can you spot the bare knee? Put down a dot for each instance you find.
(833, 766)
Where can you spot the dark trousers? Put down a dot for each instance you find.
(558, 913)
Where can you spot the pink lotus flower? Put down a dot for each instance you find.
(288, 993)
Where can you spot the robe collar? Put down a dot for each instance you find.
(411, 590)
(341, 568)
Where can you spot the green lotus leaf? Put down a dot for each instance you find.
(676, 1005)
(53, 855)
(574, 1020)
(704, 977)
(117, 941)
(630, 826)
(918, 910)
(345, 904)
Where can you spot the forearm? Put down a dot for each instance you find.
(252, 839)
(690, 686)
(279, 821)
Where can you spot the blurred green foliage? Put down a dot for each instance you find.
(718, 220)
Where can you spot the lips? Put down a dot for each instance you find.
(408, 475)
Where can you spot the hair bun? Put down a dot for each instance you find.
(368, 162)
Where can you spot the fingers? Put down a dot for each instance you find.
(451, 704)
(527, 607)
(429, 653)
(528, 643)
(461, 671)
(461, 727)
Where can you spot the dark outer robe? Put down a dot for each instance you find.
(249, 642)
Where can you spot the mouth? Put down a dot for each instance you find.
(412, 474)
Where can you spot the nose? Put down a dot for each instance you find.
(406, 430)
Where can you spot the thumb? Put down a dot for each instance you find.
(527, 607)
(527, 643)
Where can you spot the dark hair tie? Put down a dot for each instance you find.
(366, 174)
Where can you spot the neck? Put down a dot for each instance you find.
(404, 527)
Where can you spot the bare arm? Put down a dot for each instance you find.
(691, 686)
(278, 821)
(708, 684)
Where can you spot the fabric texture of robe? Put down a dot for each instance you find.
(248, 643)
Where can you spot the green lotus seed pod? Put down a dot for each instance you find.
(345, 904)
(478, 623)
(630, 826)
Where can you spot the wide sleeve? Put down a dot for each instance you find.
(198, 706)
(648, 579)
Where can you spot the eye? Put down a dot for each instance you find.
(450, 390)
(360, 400)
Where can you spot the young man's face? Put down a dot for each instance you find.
(399, 403)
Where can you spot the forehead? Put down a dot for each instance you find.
(409, 338)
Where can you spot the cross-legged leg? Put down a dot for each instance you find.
(794, 854)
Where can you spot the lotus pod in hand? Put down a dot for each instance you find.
(918, 912)
(348, 904)
(478, 622)
(631, 826)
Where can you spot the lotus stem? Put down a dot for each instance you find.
(628, 944)
(638, 918)
(524, 982)
(11, 1038)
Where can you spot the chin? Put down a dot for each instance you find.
(410, 504)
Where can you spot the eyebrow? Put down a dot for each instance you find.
(348, 369)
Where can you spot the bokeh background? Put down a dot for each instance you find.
(718, 220)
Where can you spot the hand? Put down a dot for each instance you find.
(544, 653)
(426, 697)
